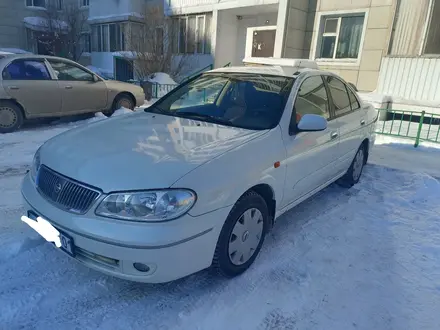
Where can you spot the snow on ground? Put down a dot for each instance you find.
(363, 258)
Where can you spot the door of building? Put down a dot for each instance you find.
(263, 43)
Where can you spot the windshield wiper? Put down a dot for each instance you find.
(195, 115)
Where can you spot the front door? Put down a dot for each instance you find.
(263, 43)
(311, 156)
(80, 92)
(29, 82)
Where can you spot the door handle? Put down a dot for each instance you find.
(334, 135)
(14, 87)
(363, 122)
(68, 87)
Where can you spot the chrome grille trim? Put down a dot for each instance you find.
(65, 193)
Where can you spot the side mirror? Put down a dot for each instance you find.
(312, 123)
(95, 78)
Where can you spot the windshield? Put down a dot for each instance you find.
(245, 100)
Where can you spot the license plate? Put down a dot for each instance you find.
(50, 233)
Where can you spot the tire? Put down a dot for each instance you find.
(355, 170)
(123, 100)
(230, 263)
(11, 117)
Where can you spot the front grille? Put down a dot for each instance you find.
(64, 192)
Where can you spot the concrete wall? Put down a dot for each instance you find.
(12, 29)
(364, 72)
(226, 38)
(295, 28)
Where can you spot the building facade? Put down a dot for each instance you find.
(33, 25)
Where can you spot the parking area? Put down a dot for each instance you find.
(363, 258)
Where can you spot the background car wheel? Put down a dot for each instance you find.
(242, 235)
(11, 117)
(123, 101)
(355, 171)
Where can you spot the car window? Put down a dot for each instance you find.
(338, 91)
(246, 100)
(68, 72)
(311, 99)
(353, 100)
(26, 70)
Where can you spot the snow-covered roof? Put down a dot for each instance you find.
(114, 17)
(43, 24)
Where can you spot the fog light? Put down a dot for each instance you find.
(141, 267)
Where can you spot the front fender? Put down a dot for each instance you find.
(221, 181)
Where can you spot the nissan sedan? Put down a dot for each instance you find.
(198, 179)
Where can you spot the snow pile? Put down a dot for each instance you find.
(161, 78)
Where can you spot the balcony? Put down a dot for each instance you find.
(182, 7)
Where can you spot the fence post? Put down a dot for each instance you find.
(419, 129)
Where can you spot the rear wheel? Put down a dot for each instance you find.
(355, 171)
(11, 117)
(242, 235)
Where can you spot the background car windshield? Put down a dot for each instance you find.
(245, 100)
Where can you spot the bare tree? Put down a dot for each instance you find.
(63, 30)
(150, 45)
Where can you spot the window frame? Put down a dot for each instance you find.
(81, 3)
(41, 60)
(71, 64)
(101, 41)
(35, 7)
(294, 131)
(197, 17)
(347, 88)
(322, 16)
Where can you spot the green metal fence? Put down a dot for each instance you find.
(414, 125)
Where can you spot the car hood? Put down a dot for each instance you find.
(139, 150)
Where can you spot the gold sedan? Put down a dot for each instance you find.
(37, 86)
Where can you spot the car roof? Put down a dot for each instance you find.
(284, 67)
(10, 57)
(267, 70)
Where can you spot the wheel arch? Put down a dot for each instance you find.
(366, 144)
(268, 194)
(18, 104)
(125, 93)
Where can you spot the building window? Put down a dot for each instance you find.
(85, 43)
(108, 37)
(192, 34)
(36, 3)
(59, 4)
(84, 3)
(340, 36)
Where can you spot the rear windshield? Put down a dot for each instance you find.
(245, 100)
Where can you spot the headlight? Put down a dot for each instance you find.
(36, 162)
(160, 205)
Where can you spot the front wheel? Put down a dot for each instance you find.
(355, 171)
(242, 235)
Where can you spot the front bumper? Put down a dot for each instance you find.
(171, 250)
(140, 99)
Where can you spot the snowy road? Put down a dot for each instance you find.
(363, 258)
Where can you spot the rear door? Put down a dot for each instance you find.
(28, 81)
(80, 92)
(348, 114)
